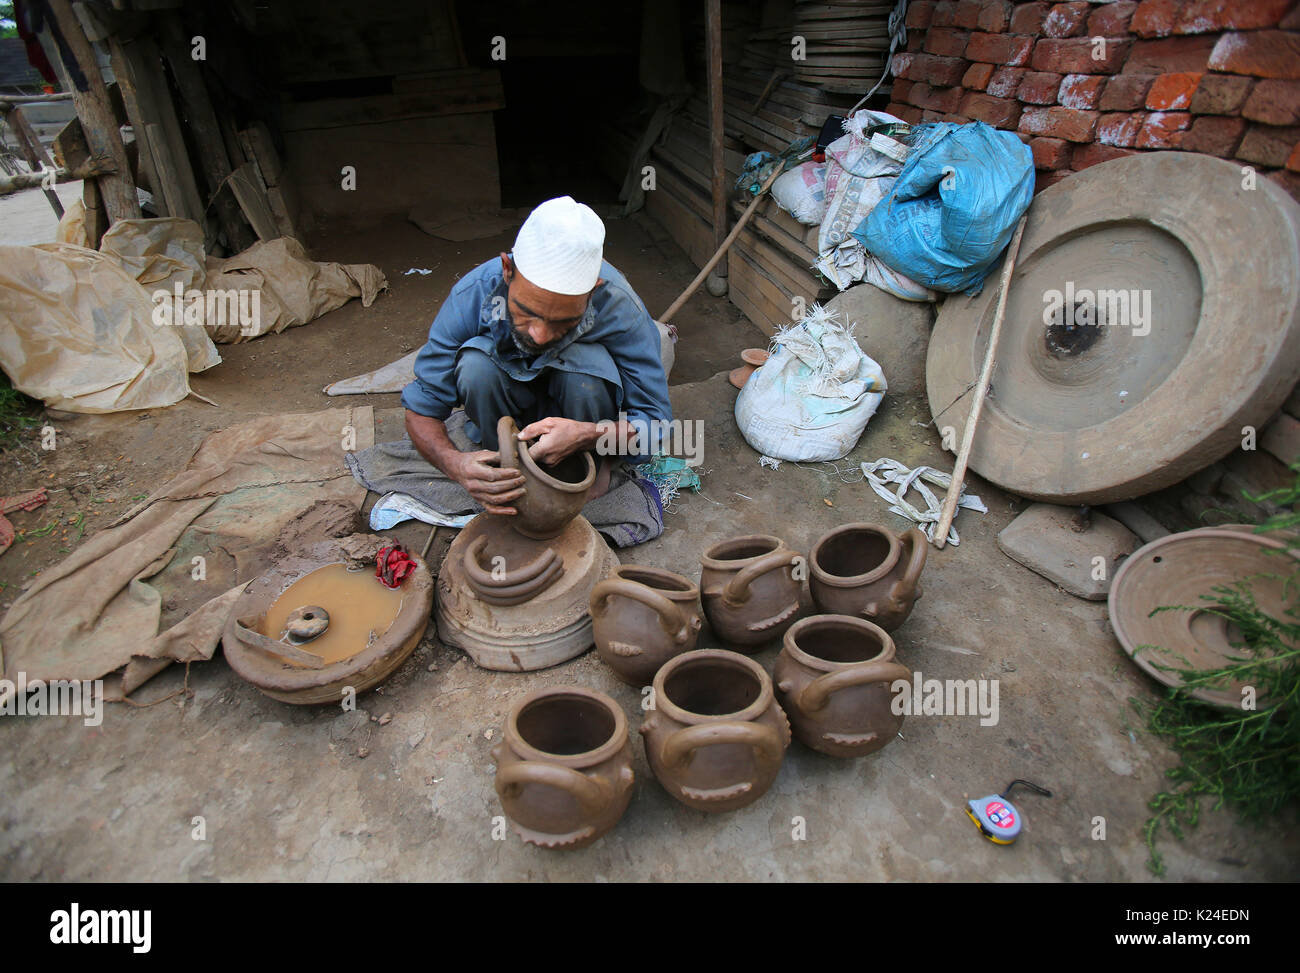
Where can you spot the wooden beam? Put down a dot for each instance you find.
(96, 114)
(27, 180)
(718, 174)
(33, 152)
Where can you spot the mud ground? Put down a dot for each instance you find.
(286, 793)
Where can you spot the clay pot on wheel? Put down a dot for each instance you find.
(717, 737)
(564, 766)
(641, 618)
(833, 679)
(748, 589)
(869, 571)
(554, 494)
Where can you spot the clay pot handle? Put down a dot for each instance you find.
(478, 575)
(507, 444)
(911, 578)
(591, 793)
(679, 747)
(671, 617)
(817, 693)
(736, 593)
(279, 650)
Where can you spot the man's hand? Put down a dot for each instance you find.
(558, 438)
(480, 473)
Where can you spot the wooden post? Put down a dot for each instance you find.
(32, 150)
(713, 31)
(205, 129)
(96, 114)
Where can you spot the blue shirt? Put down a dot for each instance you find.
(475, 315)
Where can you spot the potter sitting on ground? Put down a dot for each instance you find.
(551, 335)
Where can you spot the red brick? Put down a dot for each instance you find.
(906, 112)
(1293, 160)
(1093, 152)
(1046, 178)
(1263, 53)
(994, 16)
(998, 112)
(1120, 129)
(1291, 21)
(1212, 16)
(1028, 17)
(1000, 48)
(1220, 94)
(901, 65)
(919, 14)
(941, 71)
(967, 14)
(935, 99)
(1267, 145)
(1075, 55)
(1005, 81)
(1172, 91)
(900, 90)
(1163, 130)
(1169, 55)
(1112, 19)
(1155, 18)
(1050, 153)
(1066, 20)
(1081, 90)
(1071, 124)
(916, 42)
(1289, 181)
(1214, 135)
(1124, 92)
(1274, 102)
(943, 11)
(945, 41)
(1039, 88)
(977, 77)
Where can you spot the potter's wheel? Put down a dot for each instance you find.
(551, 626)
(1098, 412)
(1178, 570)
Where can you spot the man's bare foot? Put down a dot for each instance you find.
(604, 469)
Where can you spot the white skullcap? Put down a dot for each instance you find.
(560, 245)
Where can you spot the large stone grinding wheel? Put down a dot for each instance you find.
(1104, 413)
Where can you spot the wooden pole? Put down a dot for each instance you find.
(949, 509)
(27, 180)
(713, 36)
(721, 251)
(97, 119)
(33, 151)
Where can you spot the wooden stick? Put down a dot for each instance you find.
(37, 158)
(726, 245)
(718, 173)
(949, 509)
(96, 166)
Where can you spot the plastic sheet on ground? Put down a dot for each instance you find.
(885, 473)
(128, 602)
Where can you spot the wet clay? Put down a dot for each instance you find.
(716, 737)
(748, 589)
(553, 495)
(357, 603)
(564, 766)
(869, 571)
(641, 618)
(833, 680)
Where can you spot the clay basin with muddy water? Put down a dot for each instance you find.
(371, 630)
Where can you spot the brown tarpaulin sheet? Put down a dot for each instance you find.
(128, 599)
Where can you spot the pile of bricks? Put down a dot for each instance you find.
(1086, 82)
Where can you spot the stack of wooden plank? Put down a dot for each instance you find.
(845, 42)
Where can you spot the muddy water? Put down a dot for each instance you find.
(358, 604)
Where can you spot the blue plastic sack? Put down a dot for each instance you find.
(954, 207)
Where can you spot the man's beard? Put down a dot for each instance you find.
(526, 344)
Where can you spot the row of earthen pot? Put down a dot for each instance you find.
(718, 726)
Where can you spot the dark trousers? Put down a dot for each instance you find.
(488, 393)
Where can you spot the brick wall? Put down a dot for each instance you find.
(1085, 82)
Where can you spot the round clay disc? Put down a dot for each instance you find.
(1154, 311)
(1178, 570)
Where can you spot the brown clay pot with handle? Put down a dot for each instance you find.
(642, 617)
(564, 766)
(716, 736)
(869, 571)
(749, 589)
(833, 679)
(554, 495)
